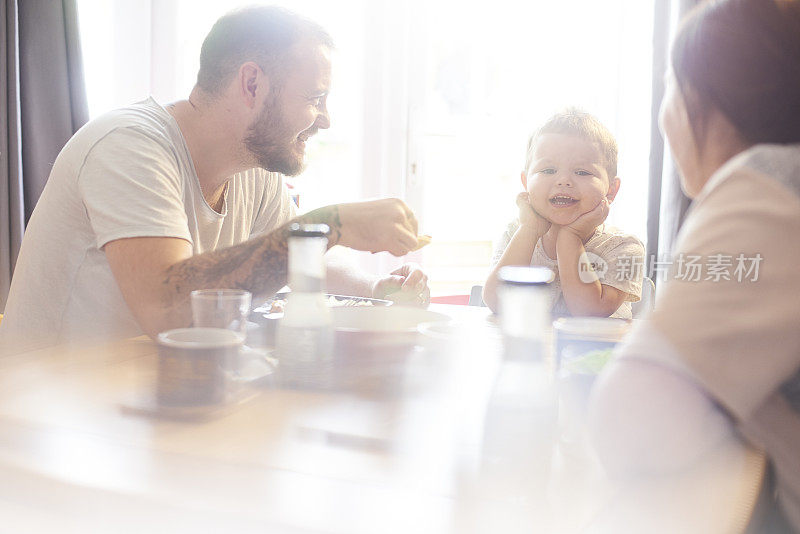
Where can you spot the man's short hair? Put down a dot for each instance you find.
(262, 34)
(573, 121)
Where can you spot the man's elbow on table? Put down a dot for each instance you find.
(141, 267)
(645, 419)
(158, 313)
(156, 319)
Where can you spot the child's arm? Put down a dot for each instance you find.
(519, 251)
(583, 292)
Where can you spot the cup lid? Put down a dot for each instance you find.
(309, 230)
(525, 276)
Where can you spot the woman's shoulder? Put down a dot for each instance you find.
(750, 202)
(773, 163)
(780, 162)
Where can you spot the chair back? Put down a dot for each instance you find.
(476, 296)
(646, 304)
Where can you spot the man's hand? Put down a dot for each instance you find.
(377, 225)
(406, 285)
(529, 217)
(584, 226)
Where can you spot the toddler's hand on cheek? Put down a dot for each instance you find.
(584, 226)
(528, 216)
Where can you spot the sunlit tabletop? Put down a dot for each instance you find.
(428, 445)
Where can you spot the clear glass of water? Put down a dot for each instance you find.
(221, 308)
(228, 309)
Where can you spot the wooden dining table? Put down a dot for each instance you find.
(447, 437)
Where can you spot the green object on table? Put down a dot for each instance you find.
(590, 363)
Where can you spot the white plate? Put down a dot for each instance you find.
(380, 326)
(333, 301)
(388, 319)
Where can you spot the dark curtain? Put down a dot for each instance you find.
(42, 103)
(667, 205)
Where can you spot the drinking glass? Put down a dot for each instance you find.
(229, 309)
(221, 308)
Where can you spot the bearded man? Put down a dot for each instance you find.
(149, 202)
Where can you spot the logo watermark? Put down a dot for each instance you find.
(689, 267)
(591, 268)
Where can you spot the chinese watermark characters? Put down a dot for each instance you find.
(691, 268)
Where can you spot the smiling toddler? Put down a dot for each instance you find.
(570, 180)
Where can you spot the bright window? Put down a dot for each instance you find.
(431, 101)
(485, 78)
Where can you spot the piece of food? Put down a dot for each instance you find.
(590, 363)
(402, 297)
(422, 240)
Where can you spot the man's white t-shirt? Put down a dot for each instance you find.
(126, 174)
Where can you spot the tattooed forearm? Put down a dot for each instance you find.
(258, 265)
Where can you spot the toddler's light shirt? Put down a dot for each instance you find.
(617, 259)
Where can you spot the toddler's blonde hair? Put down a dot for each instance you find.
(574, 121)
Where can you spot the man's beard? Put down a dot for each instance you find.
(272, 144)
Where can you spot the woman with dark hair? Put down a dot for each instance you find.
(721, 352)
